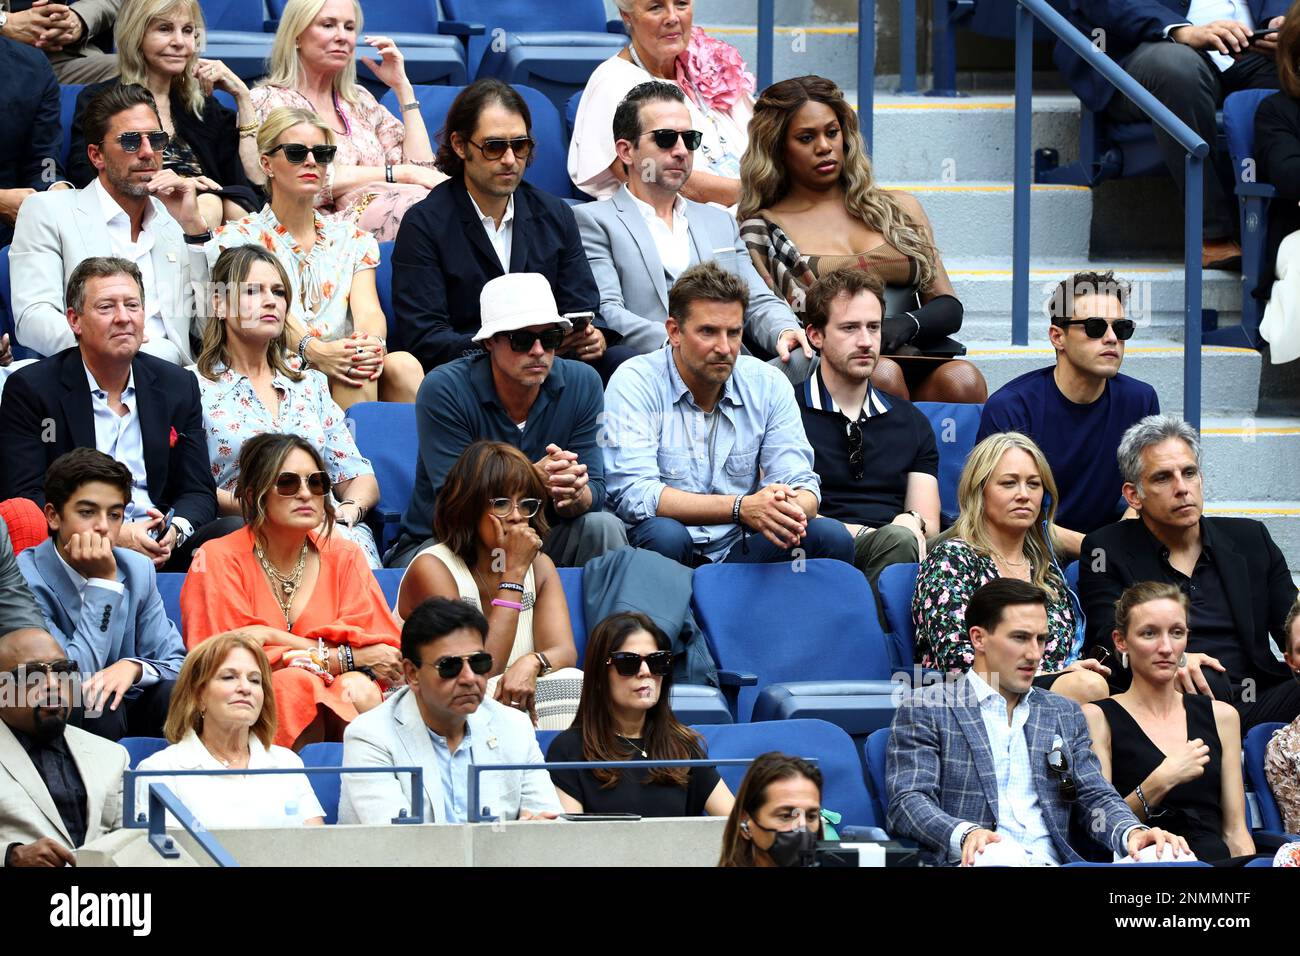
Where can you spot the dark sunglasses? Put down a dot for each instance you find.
(287, 483)
(521, 146)
(1058, 765)
(59, 668)
(130, 142)
(667, 138)
(522, 341)
(857, 461)
(629, 665)
(1095, 328)
(480, 662)
(501, 507)
(296, 153)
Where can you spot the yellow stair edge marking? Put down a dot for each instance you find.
(1050, 272)
(753, 31)
(944, 106)
(1286, 512)
(1274, 430)
(957, 188)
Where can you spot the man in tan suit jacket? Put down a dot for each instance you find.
(60, 787)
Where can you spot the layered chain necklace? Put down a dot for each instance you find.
(288, 583)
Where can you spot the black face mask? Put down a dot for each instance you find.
(791, 847)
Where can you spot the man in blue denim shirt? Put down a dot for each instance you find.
(705, 446)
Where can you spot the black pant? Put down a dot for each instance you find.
(141, 716)
(217, 528)
(1192, 86)
(1280, 702)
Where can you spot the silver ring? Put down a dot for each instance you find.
(515, 703)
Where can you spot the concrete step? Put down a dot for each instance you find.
(826, 49)
(975, 218)
(1252, 457)
(1281, 517)
(1229, 376)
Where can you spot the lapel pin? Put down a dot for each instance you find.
(492, 743)
(171, 257)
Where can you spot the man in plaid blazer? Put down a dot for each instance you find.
(989, 759)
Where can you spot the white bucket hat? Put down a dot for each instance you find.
(515, 301)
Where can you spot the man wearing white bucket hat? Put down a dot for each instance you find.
(517, 391)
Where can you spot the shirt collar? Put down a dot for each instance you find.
(983, 690)
(78, 580)
(678, 387)
(441, 741)
(227, 380)
(190, 754)
(648, 213)
(817, 396)
(110, 210)
(95, 388)
(487, 220)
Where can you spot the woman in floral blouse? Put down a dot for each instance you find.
(335, 322)
(1282, 758)
(1002, 532)
(249, 389)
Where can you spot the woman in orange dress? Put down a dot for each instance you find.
(307, 594)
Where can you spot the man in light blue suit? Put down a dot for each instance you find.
(441, 722)
(101, 602)
(647, 234)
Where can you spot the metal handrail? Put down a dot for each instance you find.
(866, 69)
(1197, 149)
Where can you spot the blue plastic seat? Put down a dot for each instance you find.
(138, 748)
(385, 434)
(1253, 750)
(844, 790)
(1072, 576)
(68, 94)
(390, 581)
(955, 427)
(874, 749)
(245, 55)
(1254, 198)
(326, 785)
(7, 317)
(896, 585)
(235, 21)
(767, 640)
(384, 286)
(571, 578)
(169, 588)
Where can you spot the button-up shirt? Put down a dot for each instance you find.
(453, 772)
(119, 437)
(58, 770)
(657, 437)
(1201, 12)
(502, 237)
(139, 251)
(148, 674)
(673, 245)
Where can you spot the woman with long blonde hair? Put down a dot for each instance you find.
(158, 43)
(1008, 500)
(809, 205)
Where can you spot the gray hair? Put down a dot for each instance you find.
(625, 6)
(1152, 430)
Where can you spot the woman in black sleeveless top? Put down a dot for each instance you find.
(1175, 757)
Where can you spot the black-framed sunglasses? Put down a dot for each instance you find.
(287, 483)
(629, 665)
(522, 340)
(528, 507)
(667, 138)
(296, 153)
(480, 662)
(57, 668)
(857, 459)
(1058, 765)
(1095, 328)
(130, 142)
(493, 149)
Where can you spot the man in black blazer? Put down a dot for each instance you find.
(106, 394)
(30, 133)
(1235, 578)
(1190, 54)
(483, 222)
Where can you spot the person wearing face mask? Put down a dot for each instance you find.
(1008, 505)
(777, 815)
(1282, 758)
(989, 769)
(223, 717)
(1175, 757)
(625, 715)
(443, 722)
(62, 785)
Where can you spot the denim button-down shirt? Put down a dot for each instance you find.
(654, 437)
(453, 771)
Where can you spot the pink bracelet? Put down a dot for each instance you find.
(497, 602)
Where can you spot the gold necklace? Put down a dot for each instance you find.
(289, 583)
(628, 741)
(1008, 562)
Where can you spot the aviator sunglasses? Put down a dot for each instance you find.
(130, 142)
(493, 149)
(287, 483)
(480, 662)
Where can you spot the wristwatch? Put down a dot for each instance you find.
(4, 18)
(919, 520)
(546, 665)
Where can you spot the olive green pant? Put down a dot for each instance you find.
(872, 553)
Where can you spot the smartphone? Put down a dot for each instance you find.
(580, 320)
(160, 532)
(577, 817)
(1260, 34)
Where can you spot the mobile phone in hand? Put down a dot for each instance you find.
(160, 532)
(1261, 34)
(580, 320)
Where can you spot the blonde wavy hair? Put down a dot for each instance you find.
(128, 36)
(764, 180)
(283, 68)
(278, 122)
(971, 525)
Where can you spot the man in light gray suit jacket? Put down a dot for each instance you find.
(17, 606)
(134, 209)
(641, 239)
(441, 723)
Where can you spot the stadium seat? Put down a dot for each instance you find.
(385, 434)
(1253, 749)
(955, 427)
(326, 785)
(818, 626)
(874, 749)
(235, 21)
(138, 748)
(384, 286)
(896, 585)
(1173, 863)
(1072, 576)
(7, 317)
(68, 94)
(1254, 196)
(571, 578)
(553, 47)
(545, 738)
(548, 170)
(390, 580)
(169, 588)
(844, 789)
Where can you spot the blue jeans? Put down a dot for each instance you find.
(826, 538)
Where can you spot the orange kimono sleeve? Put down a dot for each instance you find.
(363, 617)
(215, 599)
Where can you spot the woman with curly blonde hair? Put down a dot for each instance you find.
(809, 204)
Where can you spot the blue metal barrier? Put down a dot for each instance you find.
(1197, 149)
(766, 42)
(866, 68)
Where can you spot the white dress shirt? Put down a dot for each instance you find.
(148, 673)
(673, 245)
(139, 251)
(119, 437)
(502, 236)
(1201, 12)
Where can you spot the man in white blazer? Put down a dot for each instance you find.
(134, 209)
(647, 234)
(60, 787)
(441, 723)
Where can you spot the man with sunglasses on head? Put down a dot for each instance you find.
(484, 222)
(135, 210)
(62, 785)
(518, 392)
(647, 234)
(1078, 410)
(988, 769)
(442, 722)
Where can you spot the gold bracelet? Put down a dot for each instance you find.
(250, 129)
